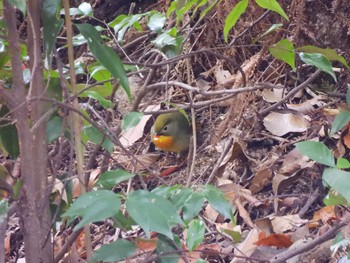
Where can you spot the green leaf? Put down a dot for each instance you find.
(93, 207)
(284, 50)
(340, 121)
(97, 96)
(343, 163)
(334, 198)
(118, 250)
(105, 55)
(86, 9)
(96, 137)
(120, 221)
(210, 7)
(123, 22)
(111, 178)
(101, 74)
(233, 17)
(217, 200)
(179, 197)
(338, 180)
(317, 151)
(166, 246)
(348, 95)
(272, 5)
(319, 61)
(195, 234)
(235, 235)
(156, 22)
(51, 25)
(20, 5)
(131, 119)
(152, 212)
(329, 53)
(8, 134)
(192, 206)
(53, 129)
(271, 29)
(4, 206)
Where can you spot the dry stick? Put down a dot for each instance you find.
(220, 159)
(76, 119)
(67, 245)
(291, 93)
(308, 203)
(282, 257)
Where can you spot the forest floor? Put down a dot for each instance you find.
(245, 144)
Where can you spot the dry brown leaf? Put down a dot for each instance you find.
(280, 124)
(307, 107)
(274, 240)
(210, 213)
(273, 95)
(243, 213)
(300, 233)
(325, 214)
(264, 225)
(294, 161)
(261, 179)
(281, 224)
(144, 161)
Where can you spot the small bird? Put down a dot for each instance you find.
(172, 132)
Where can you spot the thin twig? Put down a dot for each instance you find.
(291, 93)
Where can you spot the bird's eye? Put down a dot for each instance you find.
(165, 128)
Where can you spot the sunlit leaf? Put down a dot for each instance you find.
(317, 151)
(338, 180)
(156, 22)
(86, 9)
(272, 5)
(233, 17)
(318, 60)
(329, 53)
(284, 50)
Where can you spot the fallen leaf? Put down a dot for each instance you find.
(325, 215)
(273, 95)
(261, 179)
(281, 224)
(307, 107)
(280, 124)
(276, 240)
(264, 225)
(293, 161)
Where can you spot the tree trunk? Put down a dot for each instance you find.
(28, 111)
